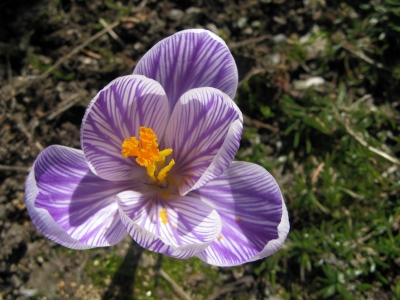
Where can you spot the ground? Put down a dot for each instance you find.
(55, 55)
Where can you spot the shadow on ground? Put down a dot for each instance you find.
(121, 286)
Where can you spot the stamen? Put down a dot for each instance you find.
(151, 169)
(148, 155)
(163, 154)
(130, 147)
(163, 172)
(146, 151)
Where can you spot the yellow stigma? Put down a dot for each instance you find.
(147, 154)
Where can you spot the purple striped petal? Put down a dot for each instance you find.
(190, 59)
(42, 219)
(69, 204)
(283, 230)
(204, 132)
(224, 157)
(189, 225)
(254, 217)
(116, 113)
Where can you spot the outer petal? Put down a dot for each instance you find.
(283, 230)
(190, 59)
(204, 132)
(69, 204)
(191, 224)
(254, 217)
(116, 113)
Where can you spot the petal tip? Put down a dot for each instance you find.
(201, 30)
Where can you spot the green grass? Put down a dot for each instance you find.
(337, 167)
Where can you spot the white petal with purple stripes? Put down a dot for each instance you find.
(204, 132)
(69, 204)
(190, 59)
(274, 245)
(42, 219)
(116, 113)
(185, 227)
(224, 156)
(252, 211)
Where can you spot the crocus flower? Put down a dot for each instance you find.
(156, 163)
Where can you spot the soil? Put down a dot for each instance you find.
(41, 106)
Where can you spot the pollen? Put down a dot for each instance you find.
(220, 237)
(164, 216)
(238, 219)
(145, 149)
(147, 154)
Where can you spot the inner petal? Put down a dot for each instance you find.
(116, 113)
(204, 130)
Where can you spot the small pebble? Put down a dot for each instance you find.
(275, 58)
(40, 260)
(28, 292)
(194, 10)
(212, 27)
(241, 22)
(279, 38)
(138, 46)
(176, 14)
(15, 281)
(248, 31)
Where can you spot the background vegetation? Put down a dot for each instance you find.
(319, 87)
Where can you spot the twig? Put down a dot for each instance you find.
(249, 41)
(127, 59)
(77, 49)
(91, 53)
(39, 146)
(14, 168)
(130, 20)
(175, 286)
(63, 106)
(259, 124)
(27, 84)
(370, 148)
(351, 193)
(316, 173)
(364, 143)
(365, 58)
(10, 80)
(366, 238)
(21, 126)
(112, 32)
(251, 74)
(140, 7)
(230, 287)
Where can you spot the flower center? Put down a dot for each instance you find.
(148, 155)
